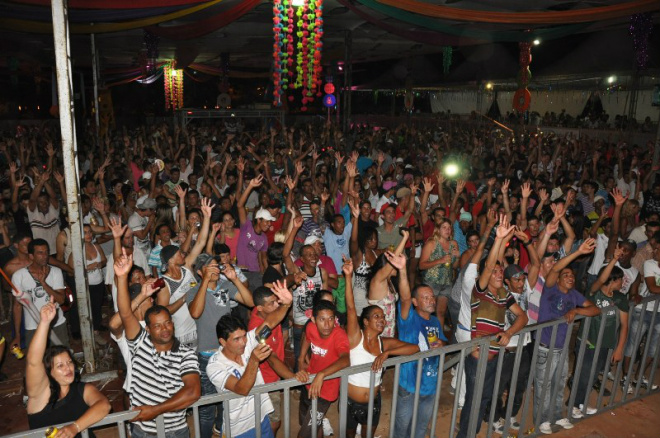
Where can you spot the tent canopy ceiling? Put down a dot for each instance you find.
(593, 46)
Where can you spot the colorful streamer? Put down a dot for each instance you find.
(204, 27)
(585, 15)
(113, 4)
(38, 27)
(465, 35)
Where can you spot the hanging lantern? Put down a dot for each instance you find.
(329, 100)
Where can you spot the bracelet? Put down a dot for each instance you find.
(77, 427)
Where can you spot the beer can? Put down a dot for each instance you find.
(51, 432)
(16, 351)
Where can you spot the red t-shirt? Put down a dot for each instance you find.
(427, 230)
(274, 228)
(325, 352)
(275, 341)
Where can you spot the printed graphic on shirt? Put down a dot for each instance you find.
(221, 297)
(424, 342)
(318, 351)
(560, 305)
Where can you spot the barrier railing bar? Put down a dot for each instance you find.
(395, 395)
(479, 387)
(343, 405)
(457, 391)
(638, 338)
(418, 385)
(286, 403)
(642, 364)
(370, 409)
(196, 421)
(314, 417)
(513, 386)
(257, 413)
(592, 370)
(436, 398)
(529, 398)
(496, 388)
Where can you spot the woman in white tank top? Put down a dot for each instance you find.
(367, 346)
(94, 263)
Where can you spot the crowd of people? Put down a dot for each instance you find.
(215, 248)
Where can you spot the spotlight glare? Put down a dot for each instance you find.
(611, 79)
(489, 86)
(537, 42)
(451, 170)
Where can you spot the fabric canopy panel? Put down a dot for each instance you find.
(456, 102)
(616, 103)
(114, 4)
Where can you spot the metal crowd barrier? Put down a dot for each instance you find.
(450, 356)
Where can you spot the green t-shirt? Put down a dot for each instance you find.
(610, 334)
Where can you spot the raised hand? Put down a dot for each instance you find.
(298, 221)
(291, 185)
(504, 228)
(552, 227)
(520, 234)
(491, 217)
(282, 292)
(347, 268)
(491, 181)
(543, 195)
(460, 185)
(116, 228)
(618, 252)
(148, 288)
(559, 209)
(240, 165)
(526, 190)
(13, 167)
(339, 157)
(355, 210)
(123, 264)
(218, 227)
(58, 177)
(325, 195)
(98, 205)
(180, 192)
(299, 168)
(49, 311)
(587, 246)
(428, 185)
(229, 272)
(505, 187)
(351, 169)
(398, 261)
(49, 149)
(619, 199)
(354, 156)
(257, 181)
(207, 207)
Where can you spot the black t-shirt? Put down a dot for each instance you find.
(271, 275)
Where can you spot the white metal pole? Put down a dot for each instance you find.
(69, 153)
(95, 73)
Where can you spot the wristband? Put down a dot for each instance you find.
(77, 427)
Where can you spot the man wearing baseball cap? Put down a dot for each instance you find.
(142, 222)
(389, 189)
(252, 240)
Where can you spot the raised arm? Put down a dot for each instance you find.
(587, 247)
(122, 267)
(428, 188)
(200, 243)
(36, 379)
(605, 274)
(619, 200)
(502, 231)
(254, 182)
(352, 324)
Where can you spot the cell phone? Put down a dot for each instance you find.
(264, 334)
(159, 283)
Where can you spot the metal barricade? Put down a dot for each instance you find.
(645, 319)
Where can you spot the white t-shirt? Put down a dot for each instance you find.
(125, 351)
(629, 276)
(469, 279)
(26, 283)
(651, 269)
(139, 223)
(638, 234)
(241, 409)
(599, 254)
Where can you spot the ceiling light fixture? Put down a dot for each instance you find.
(611, 79)
(537, 42)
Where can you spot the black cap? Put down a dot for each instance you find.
(167, 253)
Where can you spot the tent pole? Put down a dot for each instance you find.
(69, 153)
(656, 152)
(95, 73)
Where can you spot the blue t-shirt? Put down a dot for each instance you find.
(554, 305)
(337, 244)
(459, 237)
(422, 332)
(363, 163)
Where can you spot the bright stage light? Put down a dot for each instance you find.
(611, 79)
(451, 170)
(537, 42)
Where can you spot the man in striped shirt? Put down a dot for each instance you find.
(489, 303)
(165, 374)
